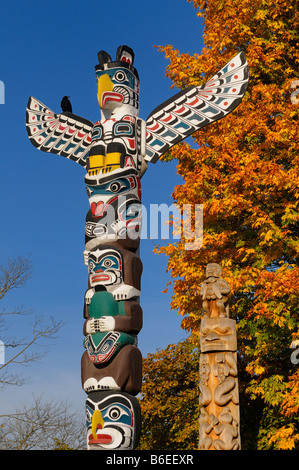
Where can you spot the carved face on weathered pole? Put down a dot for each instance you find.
(218, 334)
(213, 270)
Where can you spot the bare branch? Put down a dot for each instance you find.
(15, 274)
(19, 310)
(41, 426)
(40, 333)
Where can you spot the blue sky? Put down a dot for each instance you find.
(48, 49)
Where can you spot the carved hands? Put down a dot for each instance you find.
(100, 324)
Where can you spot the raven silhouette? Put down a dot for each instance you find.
(66, 104)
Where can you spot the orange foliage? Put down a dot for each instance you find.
(169, 399)
(245, 172)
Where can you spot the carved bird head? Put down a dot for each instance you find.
(118, 81)
(111, 420)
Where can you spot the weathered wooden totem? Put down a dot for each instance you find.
(115, 152)
(219, 397)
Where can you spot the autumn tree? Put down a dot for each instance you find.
(244, 170)
(169, 399)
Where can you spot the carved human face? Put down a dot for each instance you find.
(218, 334)
(213, 270)
(105, 267)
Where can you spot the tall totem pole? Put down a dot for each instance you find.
(115, 152)
(219, 427)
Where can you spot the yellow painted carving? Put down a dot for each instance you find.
(104, 84)
(96, 419)
(104, 163)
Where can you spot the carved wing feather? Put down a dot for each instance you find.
(64, 134)
(196, 107)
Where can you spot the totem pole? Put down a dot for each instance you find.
(115, 152)
(219, 397)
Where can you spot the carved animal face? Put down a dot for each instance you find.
(118, 81)
(114, 219)
(111, 420)
(102, 189)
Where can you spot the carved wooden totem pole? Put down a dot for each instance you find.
(219, 398)
(115, 152)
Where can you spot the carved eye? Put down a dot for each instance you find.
(88, 415)
(91, 266)
(132, 211)
(116, 186)
(108, 263)
(223, 330)
(114, 413)
(205, 331)
(120, 76)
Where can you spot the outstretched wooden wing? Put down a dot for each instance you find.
(196, 107)
(65, 134)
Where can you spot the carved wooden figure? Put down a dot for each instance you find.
(115, 152)
(219, 393)
(215, 289)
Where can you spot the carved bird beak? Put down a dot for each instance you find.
(106, 95)
(97, 422)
